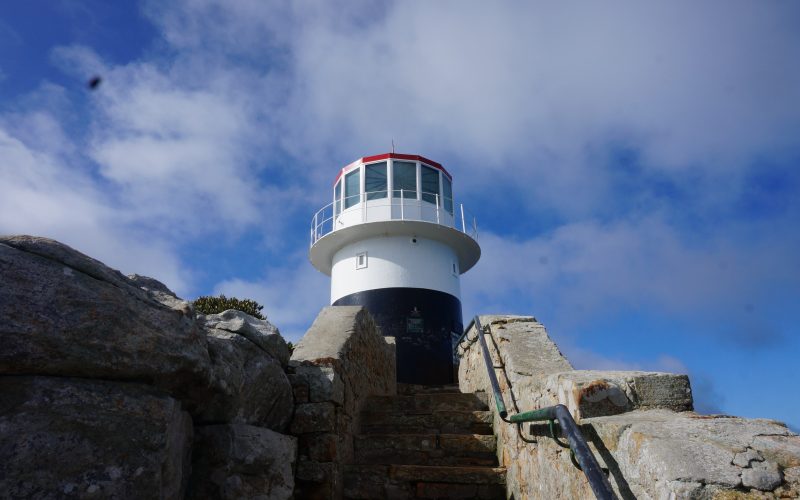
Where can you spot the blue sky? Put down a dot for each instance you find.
(633, 169)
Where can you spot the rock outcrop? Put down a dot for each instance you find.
(112, 387)
(65, 314)
(248, 384)
(640, 426)
(242, 461)
(74, 437)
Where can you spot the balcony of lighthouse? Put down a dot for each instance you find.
(363, 194)
(393, 194)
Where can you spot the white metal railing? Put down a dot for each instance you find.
(374, 206)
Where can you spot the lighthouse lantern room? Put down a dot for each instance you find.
(394, 241)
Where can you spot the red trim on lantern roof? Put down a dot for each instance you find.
(395, 156)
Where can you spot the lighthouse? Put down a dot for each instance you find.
(394, 241)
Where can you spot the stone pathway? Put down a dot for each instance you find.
(426, 442)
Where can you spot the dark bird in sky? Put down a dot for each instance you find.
(94, 82)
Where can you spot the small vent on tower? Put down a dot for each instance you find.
(361, 260)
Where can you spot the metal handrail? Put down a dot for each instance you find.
(577, 443)
(498, 396)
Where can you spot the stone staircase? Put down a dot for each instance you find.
(426, 442)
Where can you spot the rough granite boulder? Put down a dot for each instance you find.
(593, 393)
(241, 461)
(75, 438)
(249, 385)
(159, 291)
(66, 314)
(261, 332)
(96, 370)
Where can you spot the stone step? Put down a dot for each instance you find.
(425, 449)
(408, 389)
(427, 403)
(421, 481)
(437, 422)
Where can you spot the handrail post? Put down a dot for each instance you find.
(498, 396)
(463, 224)
(402, 214)
(437, 209)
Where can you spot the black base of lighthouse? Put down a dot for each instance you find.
(422, 323)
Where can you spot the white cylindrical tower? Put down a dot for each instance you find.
(394, 241)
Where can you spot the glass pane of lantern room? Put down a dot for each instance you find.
(447, 194)
(352, 188)
(430, 184)
(404, 177)
(375, 180)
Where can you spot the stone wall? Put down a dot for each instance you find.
(341, 360)
(639, 424)
(112, 387)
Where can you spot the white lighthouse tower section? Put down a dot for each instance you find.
(393, 223)
(395, 242)
(405, 261)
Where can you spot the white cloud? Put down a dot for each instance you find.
(526, 94)
(44, 196)
(581, 270)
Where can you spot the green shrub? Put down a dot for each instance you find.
(215, 305)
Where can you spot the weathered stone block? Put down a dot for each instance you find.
(67, 314)
(346, 340)
(249, 386)
(590, 393)
(785, 450)
(260, 332)
(322, 381)
(315, 472)
(69, 437)
(299, 388)
(661, 390)
(314, 417)
(242, 461)
(764, 476)
(320, 447)
(744, 459)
